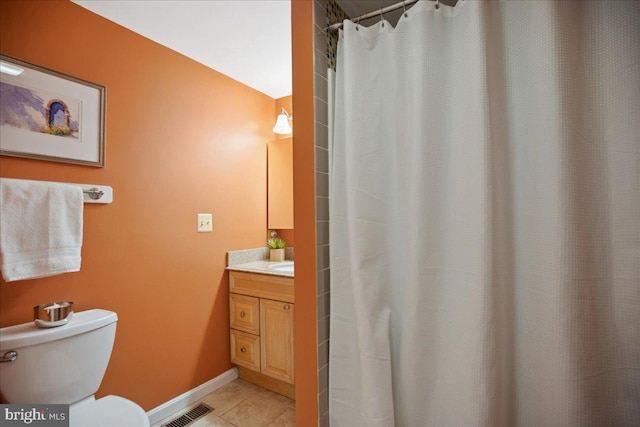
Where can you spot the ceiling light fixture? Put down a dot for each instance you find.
(282, 126)
(12, 70)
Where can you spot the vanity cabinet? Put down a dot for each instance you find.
(261, 321)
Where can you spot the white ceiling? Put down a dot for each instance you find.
(247, 40)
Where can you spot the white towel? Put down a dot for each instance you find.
(40, 228)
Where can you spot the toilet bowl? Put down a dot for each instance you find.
(109, 411)
(65, 365)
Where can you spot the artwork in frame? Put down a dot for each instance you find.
(48, 115)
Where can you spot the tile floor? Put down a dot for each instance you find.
(242, 404)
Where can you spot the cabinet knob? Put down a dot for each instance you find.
(286, 307)
(242, 314)
(243, 350)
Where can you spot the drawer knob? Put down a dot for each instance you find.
(242, 314)
(286, 307)
(243, 350)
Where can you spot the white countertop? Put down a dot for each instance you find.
(263, 267)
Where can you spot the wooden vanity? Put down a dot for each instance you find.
(261, 321)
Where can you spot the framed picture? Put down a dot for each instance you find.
(48, 115)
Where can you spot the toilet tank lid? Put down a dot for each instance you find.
(26, 334)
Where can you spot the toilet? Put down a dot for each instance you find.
(66, 365)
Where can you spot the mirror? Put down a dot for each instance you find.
(280, 184)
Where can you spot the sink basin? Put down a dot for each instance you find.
(284, 268)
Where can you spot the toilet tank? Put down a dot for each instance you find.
(57, 365)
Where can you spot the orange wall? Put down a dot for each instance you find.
(306, 347)
(181, 139)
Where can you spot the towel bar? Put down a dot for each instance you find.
(94, 193)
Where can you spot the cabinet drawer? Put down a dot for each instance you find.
(245, 349)
(245, 313)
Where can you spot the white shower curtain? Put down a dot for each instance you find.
(485, 217)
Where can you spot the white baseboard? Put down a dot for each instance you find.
(185, 399)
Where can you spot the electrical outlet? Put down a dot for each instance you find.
(205, 223)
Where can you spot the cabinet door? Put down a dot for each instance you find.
(276, 339)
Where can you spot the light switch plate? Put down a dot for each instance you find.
(205, 223)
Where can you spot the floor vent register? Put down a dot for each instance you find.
(194, 414)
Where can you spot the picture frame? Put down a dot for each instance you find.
(48, 115)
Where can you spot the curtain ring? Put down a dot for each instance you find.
(381, 18)
(404, 9)
(437, 4)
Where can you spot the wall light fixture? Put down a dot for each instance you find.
(282, 126)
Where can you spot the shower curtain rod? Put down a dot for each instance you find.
(382, 11)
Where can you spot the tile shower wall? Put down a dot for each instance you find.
(322, 204)
(325, 12)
